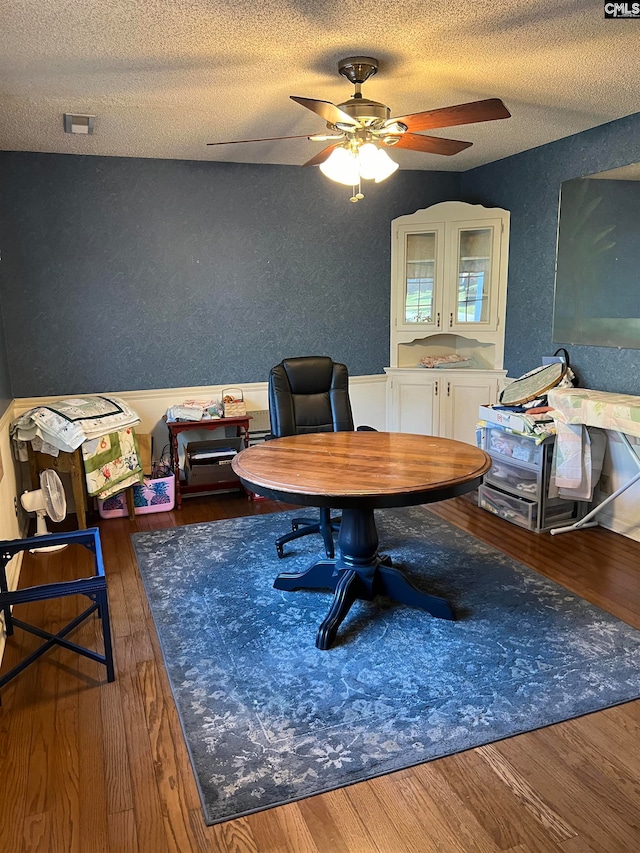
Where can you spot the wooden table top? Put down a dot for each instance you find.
(349, 469)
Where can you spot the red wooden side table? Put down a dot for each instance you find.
(241, 424)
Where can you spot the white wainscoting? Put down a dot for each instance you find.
(623, 513)
(367, 393)
(9, 523)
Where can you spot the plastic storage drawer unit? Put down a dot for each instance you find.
(510, 507)
(516, 487)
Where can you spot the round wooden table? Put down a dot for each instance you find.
(359, 472)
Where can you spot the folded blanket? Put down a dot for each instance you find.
(112, 463)
(65, 424)
(445, 361)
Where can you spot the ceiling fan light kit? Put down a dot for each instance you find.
(360, 130)
(350, 165)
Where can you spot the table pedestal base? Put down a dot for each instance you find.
(359, 572)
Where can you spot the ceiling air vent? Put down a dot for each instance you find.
(78, 123)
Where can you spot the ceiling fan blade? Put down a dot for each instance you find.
(326, 110)
(489, 110)
(430, 144)
(266, 139)
(323, 155)
(326, 137)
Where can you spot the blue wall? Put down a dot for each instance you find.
(6, 394)
(528, 185)
(124, 274)
(5, 384)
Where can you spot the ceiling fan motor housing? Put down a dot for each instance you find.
(357, 69)
(365, 111)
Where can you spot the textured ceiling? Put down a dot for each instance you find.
(164, 77)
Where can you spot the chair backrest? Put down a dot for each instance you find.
(309, 394)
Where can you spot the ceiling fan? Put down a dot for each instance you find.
(360, 129)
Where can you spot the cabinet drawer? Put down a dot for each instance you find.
(510, 507)
(518, 448)
(514, 478)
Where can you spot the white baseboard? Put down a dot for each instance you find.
(625, 527)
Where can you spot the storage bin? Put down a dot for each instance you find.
(218, 472)
(502, 417)
(519, 448)
(514, 478)
(150, 496)
(512, 508)
(210, 461)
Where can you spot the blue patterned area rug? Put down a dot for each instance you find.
(269, 719)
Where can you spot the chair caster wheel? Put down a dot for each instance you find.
(280, 550)
(294, 527)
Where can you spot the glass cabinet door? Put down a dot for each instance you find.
(448, 278)
(420, 275)
(476, 278)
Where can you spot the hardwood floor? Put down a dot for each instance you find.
(88, 766)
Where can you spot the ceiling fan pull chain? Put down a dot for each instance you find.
(357, 195)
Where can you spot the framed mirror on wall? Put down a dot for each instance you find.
(597, 287)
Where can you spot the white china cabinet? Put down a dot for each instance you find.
(448, 302)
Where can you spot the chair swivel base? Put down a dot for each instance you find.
(359, 573)
(305, 526)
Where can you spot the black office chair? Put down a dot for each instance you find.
(310, 394)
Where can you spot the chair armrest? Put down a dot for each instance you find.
(366, 429)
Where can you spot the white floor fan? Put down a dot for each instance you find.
(48, 500)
